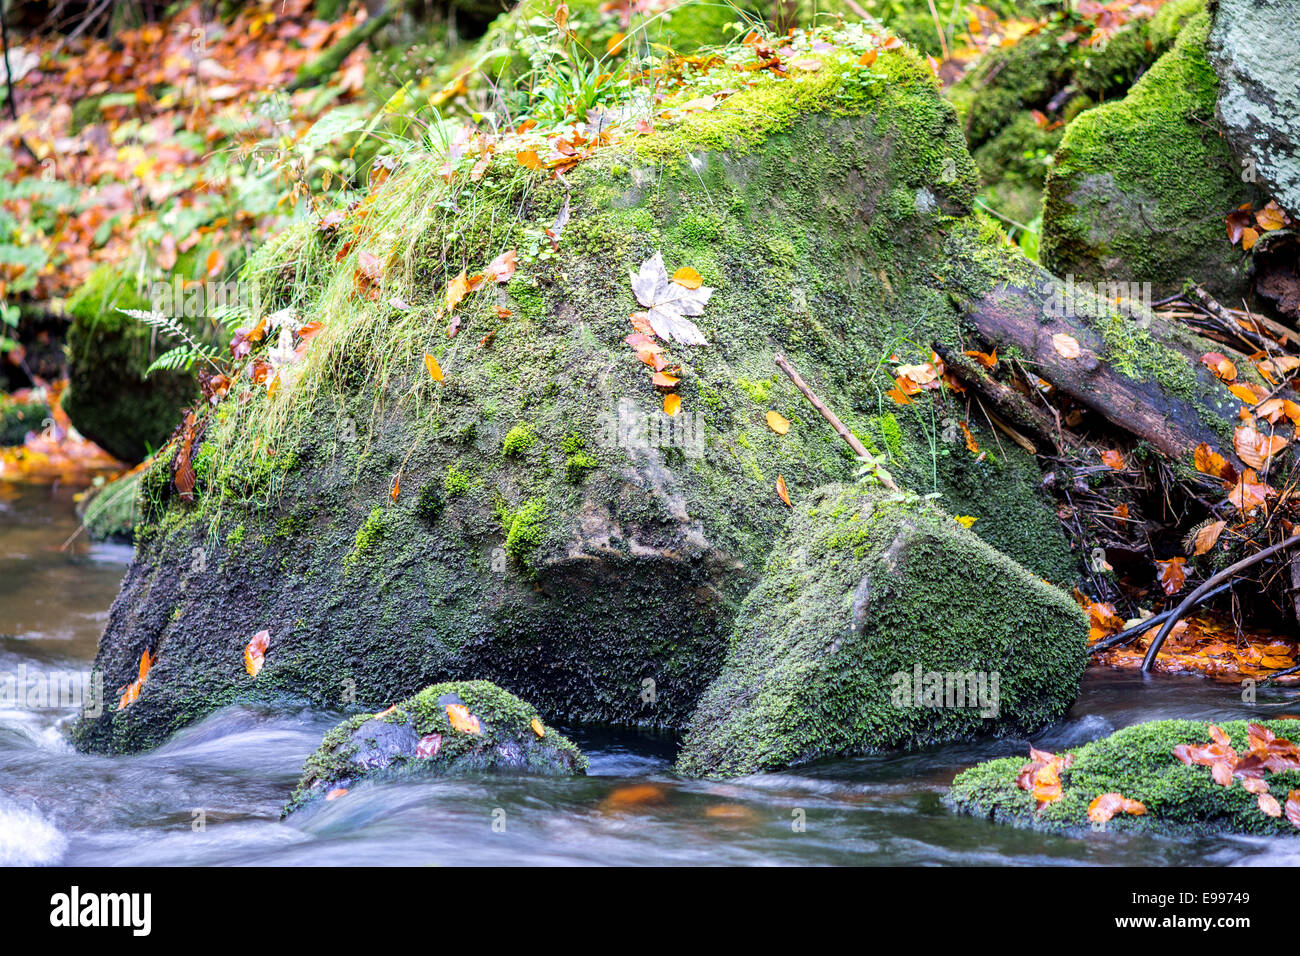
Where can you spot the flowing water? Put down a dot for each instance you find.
(212, 795)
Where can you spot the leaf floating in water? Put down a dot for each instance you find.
(255, 652)
(462, 720)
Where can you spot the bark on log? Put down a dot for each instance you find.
(1174, 421)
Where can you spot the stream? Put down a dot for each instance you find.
(212, 795)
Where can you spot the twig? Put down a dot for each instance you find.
(1191, 599)
(1226, 321)
(830, 416)
(1123, 637)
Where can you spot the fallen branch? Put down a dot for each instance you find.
(1196, 596)
(323, 67)
(783, 364)
(1228, 323)
(1005, 401)
(1123, 637)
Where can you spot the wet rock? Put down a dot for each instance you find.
(445, 728)
(881, 623)
(1253, 47)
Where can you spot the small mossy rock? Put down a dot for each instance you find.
(1140, 187)
(110, 513)
(18, 416)
(830, 211)
(1137, 762)
(492, 730)
(1253, 48)
(109, 398)
(864, 587)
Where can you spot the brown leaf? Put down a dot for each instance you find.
(782, 491)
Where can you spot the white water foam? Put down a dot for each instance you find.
(26, 839)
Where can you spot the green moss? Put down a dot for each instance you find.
(1137, 762)
(236, 536)
(865, 586)
(17, 418)
(456, 482)
(368, 536)
(109, 399)
(506, 738)
(1140, 186)
(527, 527)
(518, 439)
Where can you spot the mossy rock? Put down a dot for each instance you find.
(831, 213)
(110, 513)
(1140, 187)
(494, 730)
(18, 417)
(1053, 73)
(109, 398)
(865, 599)
(1137, 762)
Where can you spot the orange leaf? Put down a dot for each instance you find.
(672, 404)
(778, 423)
(502, 268)
(462, 720)
(782, 490)
(1172, 574)
(1269, 806)
(255, 652)
(988, 360)
(1210, 462)
(1292, 808)
(529, 159)
(457, 289)
(664, 380)
(1220, 365)
(435, 370)
(336, 793)
(1114, 459)
(538, 729)
(1254, 447)
(1207, 536)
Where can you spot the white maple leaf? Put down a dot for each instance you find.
(667, 304)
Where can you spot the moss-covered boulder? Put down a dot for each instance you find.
(1140, 187)
(1252, 47)
(109, 398)
(1019, 98)
(880, 622)
(1138, 763)
(532, 517)
(445, 728)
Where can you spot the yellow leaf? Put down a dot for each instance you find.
(457, 289)
(688, 278)
(462, 720)
(435, 370)
(965, 520)
(778, 423)
(1067, 346)
(538, 729)
(672, 404)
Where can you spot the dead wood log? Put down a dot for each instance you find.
(1124, 387)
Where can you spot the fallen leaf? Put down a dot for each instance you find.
(1114, 459)
(435, 370)
(428, 746)
(1172, 574)
(538, 729)
(667, 303)
(1254, 447)
(778, 422)
(782, 491)
(688, 278)
(255, 652)
(672, 404)
(462, 720)
(336, 793)
(1067, 346)
(1207, 536)
(1269, 806)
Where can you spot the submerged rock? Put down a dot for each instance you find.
(534, 518)
(446, 728)
(1253, 48)
(1138, 763)
(880, 623)
(1140, 187)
